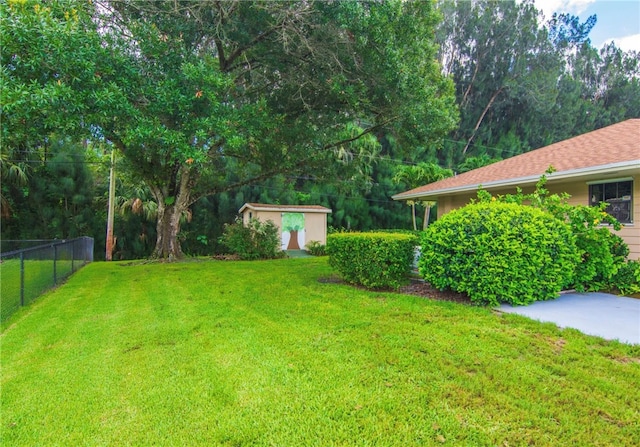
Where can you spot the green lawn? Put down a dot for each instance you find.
(38, 277)
(261, 353)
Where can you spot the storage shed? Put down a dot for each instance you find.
(299, 224)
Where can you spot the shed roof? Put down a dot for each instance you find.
(285, 208)
(614, 148)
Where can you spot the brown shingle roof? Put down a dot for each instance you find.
(615, 145)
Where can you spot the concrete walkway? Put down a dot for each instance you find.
(604, 315)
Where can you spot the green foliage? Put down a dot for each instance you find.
(627, 279)
(60, 198)
(398, 231)
(316, 248)
(600, 261)
(186, 93)
(374, 260)
(522, 85)
(499, 252)
(257, 240)
(471, 163)
(414, 176)
(49, 66)
(565, 30)
(504, 67)
(601, 252)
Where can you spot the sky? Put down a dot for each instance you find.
(618, 20)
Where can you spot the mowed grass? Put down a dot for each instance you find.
(261, 353)
(38, 277)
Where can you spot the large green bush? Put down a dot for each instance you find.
(374, 260)
(499, 252)
(601, 252)
(256, 240)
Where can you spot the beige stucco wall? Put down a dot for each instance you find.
(275, 217)
(315, 224)
(579, 191)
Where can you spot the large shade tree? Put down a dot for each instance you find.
(202, 97)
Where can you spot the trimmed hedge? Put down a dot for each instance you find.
(499, 252)
(373, 260)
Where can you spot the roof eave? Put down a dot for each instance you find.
(284, 209)
(556, 176)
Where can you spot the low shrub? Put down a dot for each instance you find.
(374, 260)
(602, 253)
(499, 252)
(257, 240)
(627, 278)
(316, 248)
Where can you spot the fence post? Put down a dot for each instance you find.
(73, 254)
(55, 258)
(21, 279)
(89, 248)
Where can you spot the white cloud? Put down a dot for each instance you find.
(548, 7)
(577, 7)
(627, 43)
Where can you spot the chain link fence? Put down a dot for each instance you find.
(26, 273)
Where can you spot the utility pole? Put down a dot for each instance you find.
(112, 198)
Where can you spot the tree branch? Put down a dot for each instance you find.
(360, 135)
(238, 51)
(484, 112)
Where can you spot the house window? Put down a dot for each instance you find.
(617, 195)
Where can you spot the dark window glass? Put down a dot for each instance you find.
(610, 191)
(595, 194)
(624, 189)
(619, 198)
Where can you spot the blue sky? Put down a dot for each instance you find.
(618, 20)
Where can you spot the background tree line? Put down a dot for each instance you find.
(214, 104)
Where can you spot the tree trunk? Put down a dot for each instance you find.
(413, 216)
(168, 227)
(172, 204)
(484, 112)
(427, 214)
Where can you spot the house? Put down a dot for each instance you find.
(602, 165)
(299, 224)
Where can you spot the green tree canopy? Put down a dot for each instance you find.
(522, 83)
(203, 97)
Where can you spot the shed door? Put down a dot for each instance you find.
(293, 231)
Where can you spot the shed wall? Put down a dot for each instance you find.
(315, 223)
